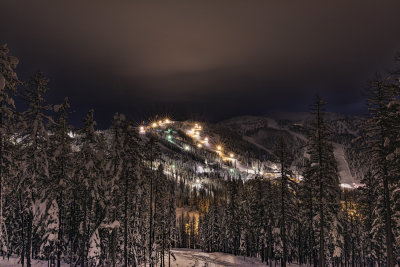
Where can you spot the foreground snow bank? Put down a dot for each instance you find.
(14, 261)
(183, 258)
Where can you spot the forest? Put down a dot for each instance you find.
(89, 197)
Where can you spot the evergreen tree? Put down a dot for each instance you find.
(324, 181)
(286, 191)
(91, 189)
(379, 130)
(35, 159)
(152, 154)
(8, 85)
(61, 168)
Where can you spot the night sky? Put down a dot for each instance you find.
(206, 60)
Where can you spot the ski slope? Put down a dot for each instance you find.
(346, 178)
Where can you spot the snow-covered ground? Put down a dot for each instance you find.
(14, 261)
(183, 258)
(194, 257)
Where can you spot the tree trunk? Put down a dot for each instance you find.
(28, 249)
(126, 222)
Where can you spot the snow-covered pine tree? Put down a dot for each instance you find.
(308, 210)
(324, 181)
(286, 196)
(130, 180)
(35, 159)
(368, 203)
(8, 85)
(233, 217)
(393, 147)
(379, 129)
(161, 214)
(61, 169)
(270, 205)
(123, 186)
(171, 218)
(115, 169)
(152, 154)
(91, 189)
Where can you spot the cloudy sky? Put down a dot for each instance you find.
(202, 59)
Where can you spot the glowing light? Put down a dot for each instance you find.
(206, 139)
(154, 125)
(231, 155)
(167, 121)
(186, 147)
(142, 130)
(219, 148)
(346, 186)
(200, 169)
(199, 145)
(169, 137)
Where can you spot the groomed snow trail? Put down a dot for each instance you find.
(346, 179)
(197, 258)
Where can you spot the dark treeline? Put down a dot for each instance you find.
(104, 198)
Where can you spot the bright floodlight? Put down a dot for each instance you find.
(219, 148)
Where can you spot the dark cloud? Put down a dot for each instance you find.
(211, 58)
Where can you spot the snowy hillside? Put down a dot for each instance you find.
(263, 132)
(244, 146)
